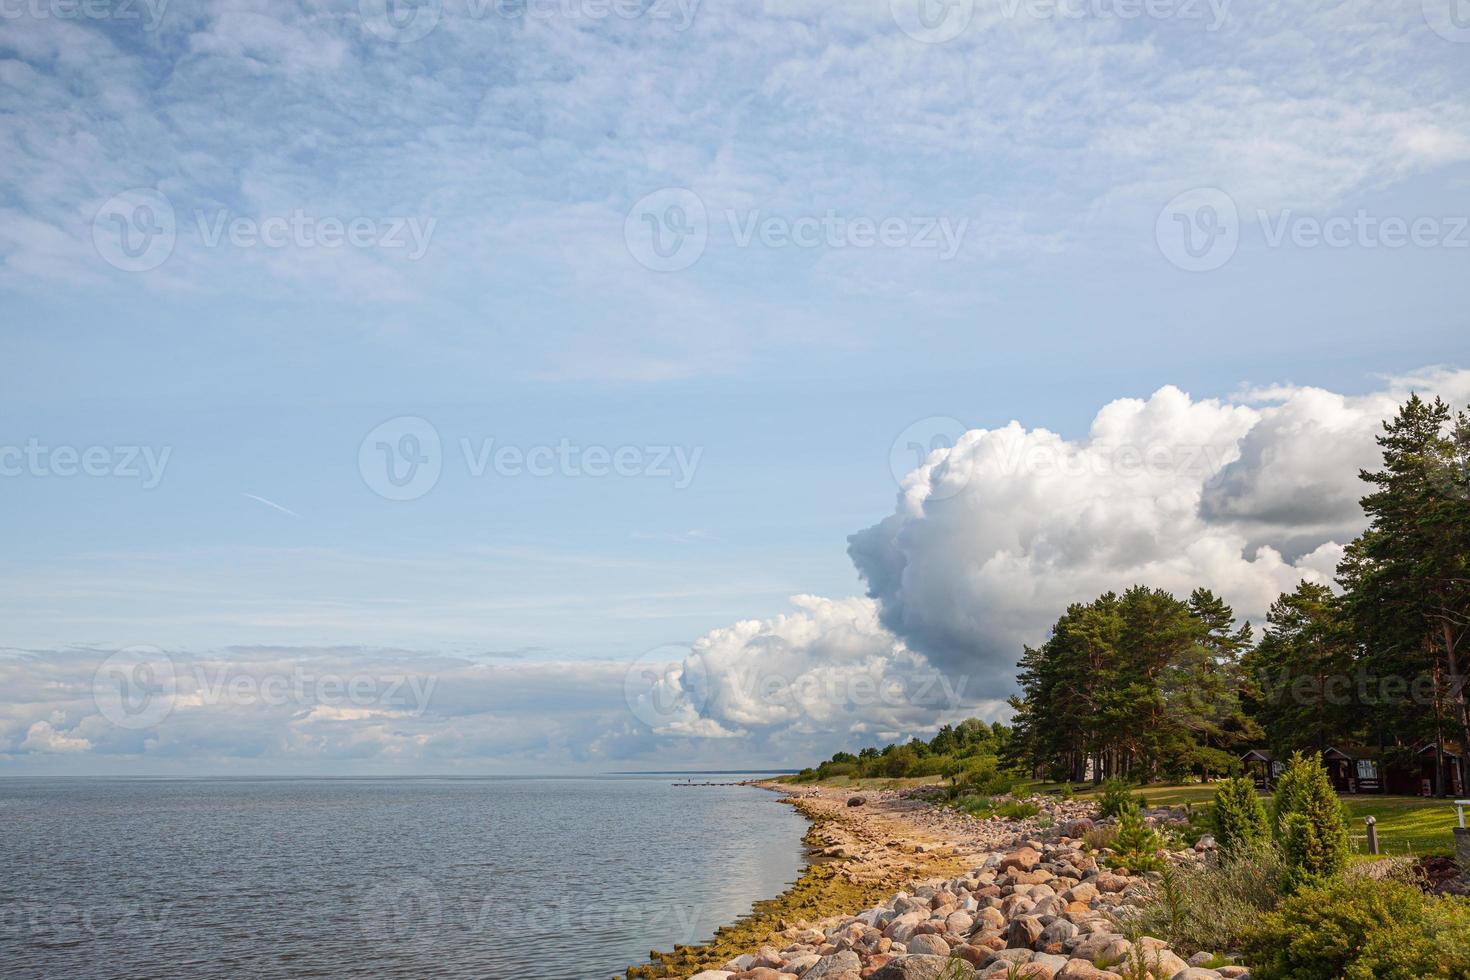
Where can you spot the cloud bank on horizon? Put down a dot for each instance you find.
(990, 539)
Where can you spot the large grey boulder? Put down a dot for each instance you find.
(922, 967)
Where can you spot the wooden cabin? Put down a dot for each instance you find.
(1416, 778)
(1353, 769)
(1262, 767)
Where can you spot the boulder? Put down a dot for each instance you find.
(856, 800)
(1021, 859)
(1024, 932)
(829, 966)
(1055, 937)
(921, 967)
(1195, 973)
(928, 944)
(1083, 970)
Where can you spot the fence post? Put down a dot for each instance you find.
(1372, 823)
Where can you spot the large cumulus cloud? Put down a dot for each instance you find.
(993, 537)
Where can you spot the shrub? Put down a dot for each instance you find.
(984, 775)
(1137, 843)
(1357, 928)
(1100, 837)
(1310, 826)
(1240, 820)
(1210, 907)
(1117, 797)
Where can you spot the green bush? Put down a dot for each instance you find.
(1310, 825)
(1137, 843)
(1118, 796)
(1358, 928)
(1240, 820)
(1210, 907)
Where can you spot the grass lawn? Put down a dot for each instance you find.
(1406, 824)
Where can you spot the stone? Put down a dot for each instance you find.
(1195, 973)
(1200, 958)
(959, 923)
(1055, 937)
(929, 944)
(990, 919)
(1095, 946)
(1077, 827)
(740, 963)
(1084, 892)
(856, 800)
(1083, 970)
(713, 975)
(829, 966)
(1024, 932)
(921, 967)
(1021, 859)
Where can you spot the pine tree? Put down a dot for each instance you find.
(1240, 817)
(1309, 822)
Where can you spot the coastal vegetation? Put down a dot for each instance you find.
(1152, 687)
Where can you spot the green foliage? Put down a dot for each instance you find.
(969, 754)
(1240, 820)
(1310, 825)
(1137, 843)
(1210, 907)
(984, 806)
(1361, 929)
(1117, 797)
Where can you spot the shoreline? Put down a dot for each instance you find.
(856, 857)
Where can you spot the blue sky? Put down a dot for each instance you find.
(521, 144)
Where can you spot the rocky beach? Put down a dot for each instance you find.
(902, 889)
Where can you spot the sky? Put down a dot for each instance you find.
(590, 385)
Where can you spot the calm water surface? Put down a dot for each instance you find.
(532, 879)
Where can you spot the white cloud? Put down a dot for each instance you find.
(42, 737)
(992, 538)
